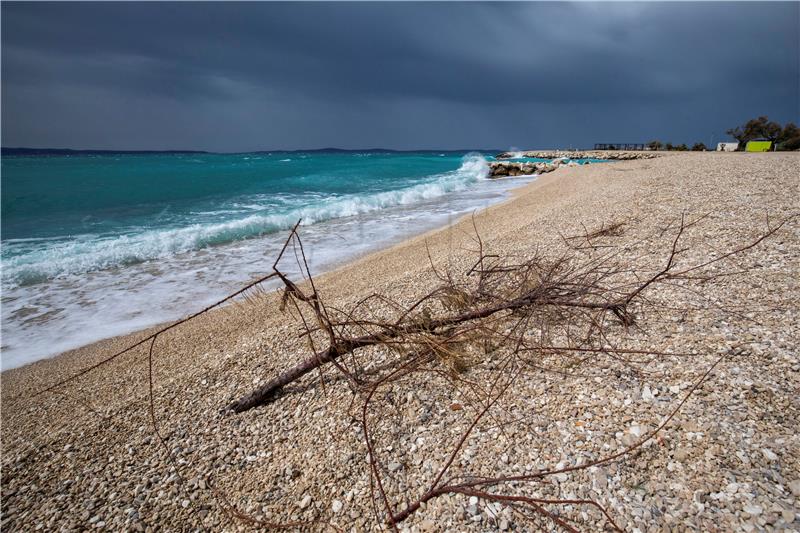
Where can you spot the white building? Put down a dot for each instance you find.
(727, 147)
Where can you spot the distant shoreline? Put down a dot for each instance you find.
(15, 151)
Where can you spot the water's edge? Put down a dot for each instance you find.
(416, 226)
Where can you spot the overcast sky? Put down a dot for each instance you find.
(250, 76)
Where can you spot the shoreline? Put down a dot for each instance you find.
(325, 266)
(334, 268)
(100, 429)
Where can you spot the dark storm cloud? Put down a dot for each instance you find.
(272, 75)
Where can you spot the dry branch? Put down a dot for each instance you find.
(480, 331)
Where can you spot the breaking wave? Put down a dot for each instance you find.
(87, 253)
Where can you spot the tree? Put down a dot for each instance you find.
(789, 139)
(655, 145)
(699, 147)
(682, 147)
(669, 146)
(756, 128)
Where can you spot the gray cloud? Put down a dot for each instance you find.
(243, 76)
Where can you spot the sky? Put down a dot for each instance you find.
(268, 76)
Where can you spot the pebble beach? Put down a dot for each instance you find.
(84, 456)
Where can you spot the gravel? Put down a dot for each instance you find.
(88, 458)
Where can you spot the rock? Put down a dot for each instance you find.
(769, 455)
(681, 454)
(637, 430)
(601, 479)
(788, 516)
(503, 525)
(305, 502)
(394, 466)
(794, 486)
(647, 395)
(427, 526)
(753, 510)
(336, 506)
(498, 170)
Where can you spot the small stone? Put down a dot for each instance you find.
(753, 510)
(675, 389)
(427, 526)
(305, 502)
(769, 455)
(691, 426)
(473, 500)
(337, 506)
(185, 504)
(637, 430)
(647, 394)
(788, 516)
(503, 525)
(100, 524)
(394, 467)
(681, 454)
(794, 486)
(601, 479)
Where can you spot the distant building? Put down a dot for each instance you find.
(758, 145)
(727, 147)
(620, 146)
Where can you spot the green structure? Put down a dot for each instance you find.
(758, 146)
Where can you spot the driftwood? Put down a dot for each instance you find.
(581, 289)
(518, 314)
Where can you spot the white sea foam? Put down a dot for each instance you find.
(88, 253)
(96, 287)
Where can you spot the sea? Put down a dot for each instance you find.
(97, 245)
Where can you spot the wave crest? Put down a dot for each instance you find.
(88, 253)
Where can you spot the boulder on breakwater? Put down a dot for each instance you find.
(499, 169)
(593, 154)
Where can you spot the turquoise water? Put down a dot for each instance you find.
(81, 213)
(99, 245)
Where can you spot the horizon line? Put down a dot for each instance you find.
(195, 151)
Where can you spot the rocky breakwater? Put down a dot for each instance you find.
(501, 169)
(593, 154)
